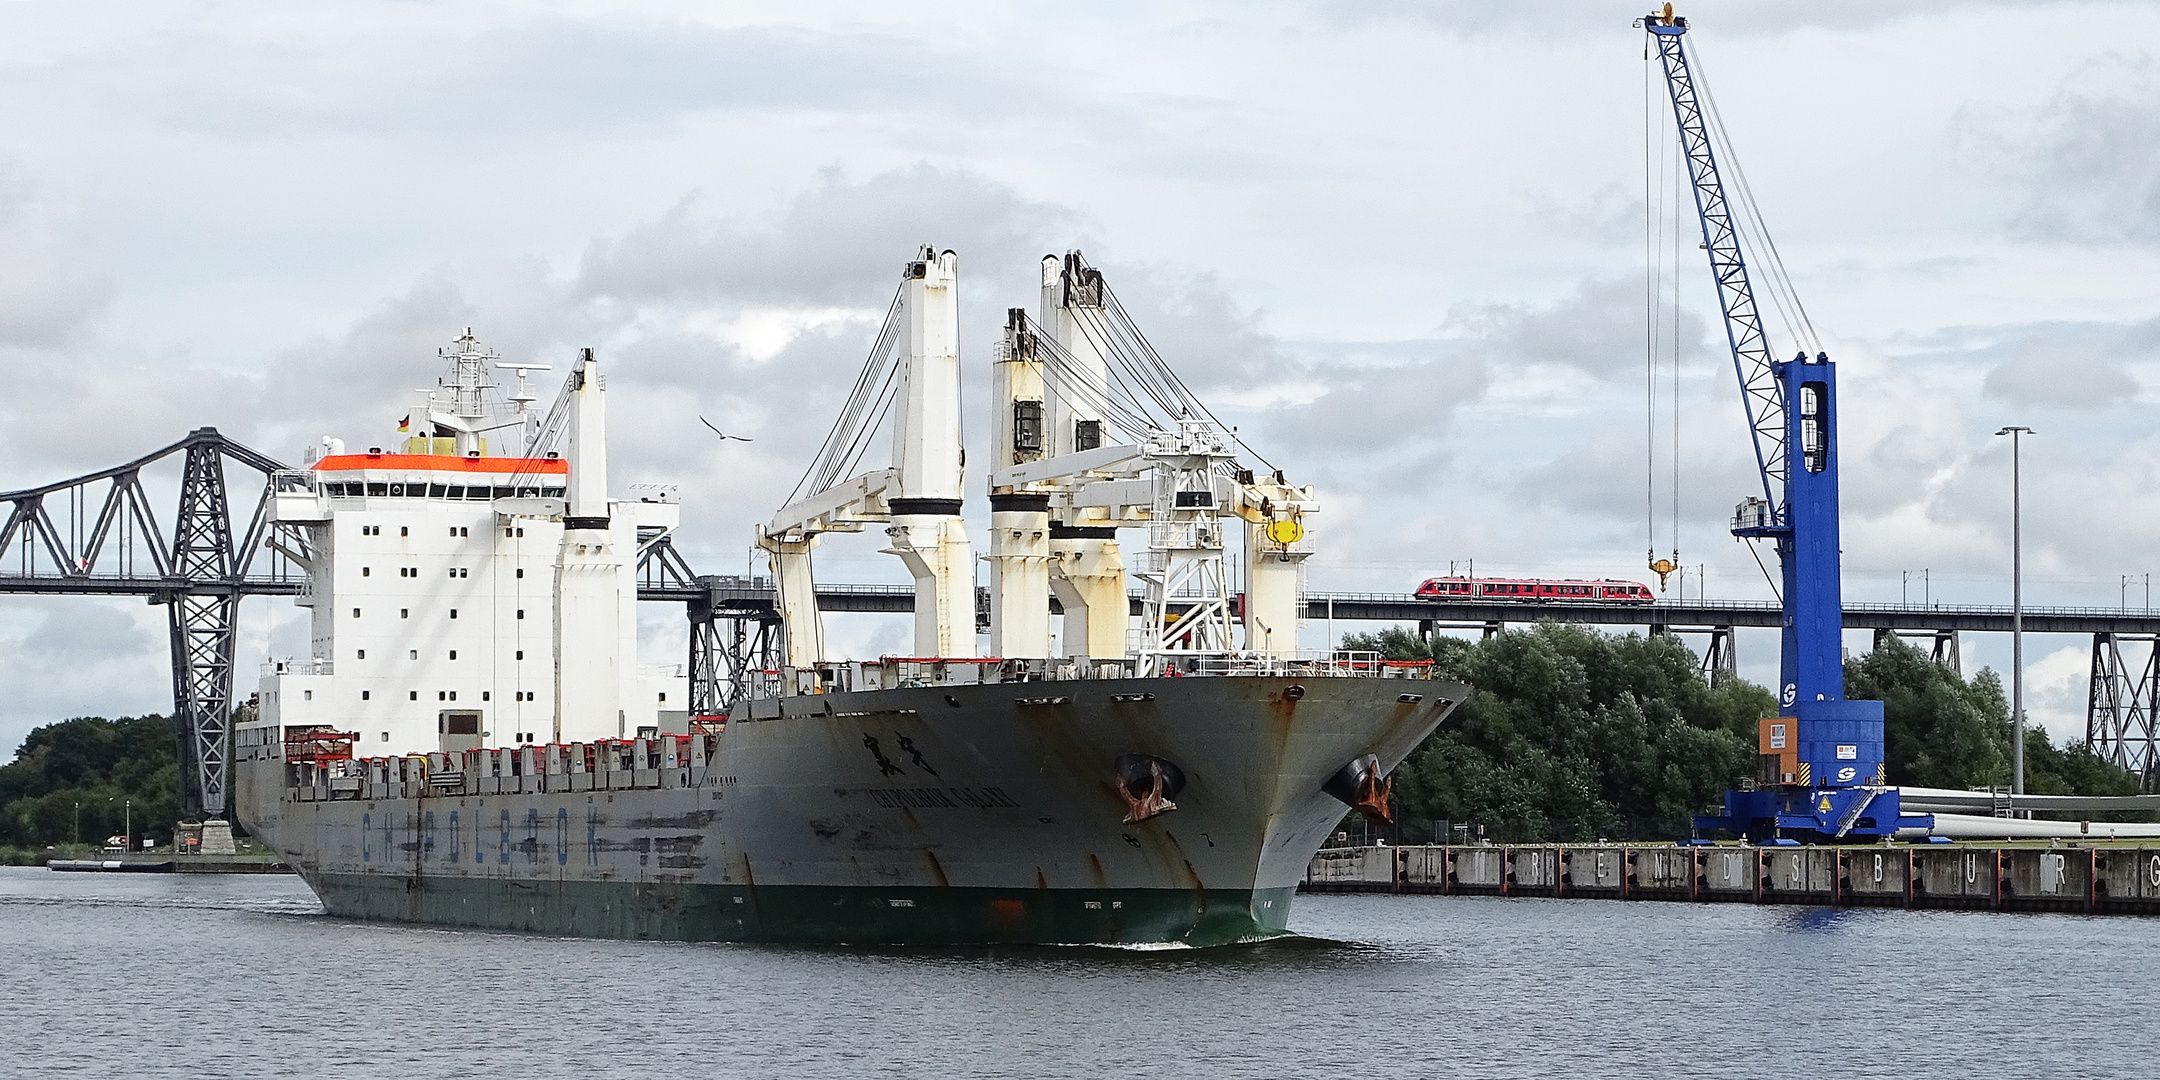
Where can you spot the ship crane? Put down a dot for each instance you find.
(1068, 381)
(1820, 766)
(917, 499)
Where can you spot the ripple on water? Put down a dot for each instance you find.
(175, 975)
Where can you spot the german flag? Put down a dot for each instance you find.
(405, 424)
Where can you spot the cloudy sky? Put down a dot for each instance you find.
(1401, 245)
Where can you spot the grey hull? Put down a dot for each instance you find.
(976, 813)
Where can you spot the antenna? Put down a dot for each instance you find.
(524, 396)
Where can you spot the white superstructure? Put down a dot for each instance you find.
(461, 598)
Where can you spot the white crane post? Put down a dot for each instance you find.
(1019, 520)
(1087, 570)
(589, 607)
(1277, 543)
(795, 594)
(926, 529)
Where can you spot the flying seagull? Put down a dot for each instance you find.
(722, 434)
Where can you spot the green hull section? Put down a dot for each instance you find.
(809, 914)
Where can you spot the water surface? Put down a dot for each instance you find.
(162, 975)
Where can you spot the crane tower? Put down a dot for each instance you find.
(1820, 771)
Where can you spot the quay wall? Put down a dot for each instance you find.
(2099, 879)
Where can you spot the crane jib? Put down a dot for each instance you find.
(1762, 393)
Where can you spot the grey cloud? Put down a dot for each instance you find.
(542, 73)
(2087, 161)
(1470, 18)
(841, 242)
(1598, 330)
(2060, 378)
(51, 284)
(2073, 366)
(88, 632)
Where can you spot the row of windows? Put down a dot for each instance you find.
(446, 695)
(396, 490)
(414, 571)
(406, 613)
(414, 654)
(455, 531)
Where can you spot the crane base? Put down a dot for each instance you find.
(1812, 815)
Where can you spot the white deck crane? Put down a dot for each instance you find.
(918, 498)
(1060, 491)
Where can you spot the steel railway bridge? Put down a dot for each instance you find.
(108, 534)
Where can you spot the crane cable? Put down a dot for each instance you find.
(1660, 333)
(1750, 220)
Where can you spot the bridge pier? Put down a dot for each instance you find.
(2122, 713)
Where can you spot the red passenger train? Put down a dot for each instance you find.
(1535, 590)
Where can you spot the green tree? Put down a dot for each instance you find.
(1573, 733)
(92, 770)
(1939, 730)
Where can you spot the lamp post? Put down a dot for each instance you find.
(2017, 614)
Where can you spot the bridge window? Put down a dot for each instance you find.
(378, 489)
(456, 491)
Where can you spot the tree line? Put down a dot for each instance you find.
(1576, 734)
(1571, 734)
(82, 780)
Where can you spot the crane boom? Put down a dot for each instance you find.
(1761, 392)
(1820, 760)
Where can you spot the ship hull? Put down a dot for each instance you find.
(966, 814)
(814, 914)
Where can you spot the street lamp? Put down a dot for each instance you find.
(2017, 615)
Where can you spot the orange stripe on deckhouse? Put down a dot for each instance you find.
(443, 463)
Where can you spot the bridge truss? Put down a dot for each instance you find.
(2122, 720)
(107, 534)
(104, 535)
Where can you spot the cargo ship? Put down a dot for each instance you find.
(472, 742)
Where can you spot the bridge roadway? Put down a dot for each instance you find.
(750, 596)
(753, 597)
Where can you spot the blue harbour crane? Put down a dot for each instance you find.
(1820, 774)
